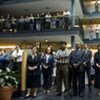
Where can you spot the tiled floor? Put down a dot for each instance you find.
(89, 95)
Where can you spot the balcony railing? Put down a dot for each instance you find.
(40, 24)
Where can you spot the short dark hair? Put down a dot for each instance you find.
(63, 42)
(18, 45)
(98, 46)
(34, 47)
(51, 53)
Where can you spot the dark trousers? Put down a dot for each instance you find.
(97, 35)
(78, 77)
(43, 24)
(62, 76)
(17, 67)
(66, 19)
(70, 74)
(47, 80)
(87, 70)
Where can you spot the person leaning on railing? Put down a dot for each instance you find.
(39, 22)
(66, 15)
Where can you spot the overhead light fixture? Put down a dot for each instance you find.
(7, 47)
(93, 2)
(46, 40)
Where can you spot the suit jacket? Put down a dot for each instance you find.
(97, 58)
(77, 57)
(87, 58)
(31, 62)
(2, 62)
(50, 63)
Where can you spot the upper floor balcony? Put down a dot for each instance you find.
(91, 8)
(12, 25)
(56, 28)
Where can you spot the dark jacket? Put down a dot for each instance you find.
(50, 63)
(77, 57)
(87, 58)
(97, 70)
(97, 58)
(34, 62)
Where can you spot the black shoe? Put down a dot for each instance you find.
(90, 88)
(33, 96)
(59, 94)
(27, 97)
(65, 91)
(81, 94)
(73, 94)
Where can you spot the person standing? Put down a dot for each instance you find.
(48, 64)
(97, 68)
(48, 20)
(97, 31)
(17, 58)
(17, 64)
(87, 64)
(66, 15)
(33, 73)
(92, 71)
(62, 68)
(43, 21)
(76, 61)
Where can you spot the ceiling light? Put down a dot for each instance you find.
(6, 47)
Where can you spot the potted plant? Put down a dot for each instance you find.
(8, 83)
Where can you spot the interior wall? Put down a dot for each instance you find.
(40, 6)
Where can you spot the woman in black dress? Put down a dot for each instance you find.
(33, 72)
(97, 68)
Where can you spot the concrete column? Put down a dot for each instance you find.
(72, 22)
(23, 73)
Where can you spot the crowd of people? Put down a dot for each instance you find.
(94, 32)
(62, 68)
(34, 22)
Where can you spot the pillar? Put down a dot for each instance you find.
(23, 73)
(72, 22)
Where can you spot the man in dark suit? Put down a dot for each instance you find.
(87, 64)
(76, 61)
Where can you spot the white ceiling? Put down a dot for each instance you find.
(40, 6)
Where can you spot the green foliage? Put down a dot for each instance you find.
(8, 78)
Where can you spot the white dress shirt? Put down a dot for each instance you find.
(17, 55)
